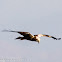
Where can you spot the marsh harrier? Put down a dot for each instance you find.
(28, 36)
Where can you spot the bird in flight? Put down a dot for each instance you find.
(28, 36)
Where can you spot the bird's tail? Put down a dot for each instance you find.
(21, 38)
(52, 37)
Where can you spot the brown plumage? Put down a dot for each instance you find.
(28, 36)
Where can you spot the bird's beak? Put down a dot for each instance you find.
(38, 42)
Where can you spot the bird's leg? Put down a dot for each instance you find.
(22, 38)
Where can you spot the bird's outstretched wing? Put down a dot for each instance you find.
(40, 35)
(25, 34)
(52, 37)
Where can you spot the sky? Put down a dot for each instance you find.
(36, 17)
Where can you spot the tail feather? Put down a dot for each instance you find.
(18, 38)
(22, 38)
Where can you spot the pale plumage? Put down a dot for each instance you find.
(28, 36)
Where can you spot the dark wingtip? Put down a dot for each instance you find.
(4, 30)
(56, 38)
(59, 39)
(8, 31)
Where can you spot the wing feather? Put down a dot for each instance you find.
(52, 37)
(25, 34)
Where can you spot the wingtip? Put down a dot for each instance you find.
(59, 38)
(4, 30)
(56, 38)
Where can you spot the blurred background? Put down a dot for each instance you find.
(36, 17)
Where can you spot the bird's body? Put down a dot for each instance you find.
(28, 36)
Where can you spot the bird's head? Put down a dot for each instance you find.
(37, 39)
